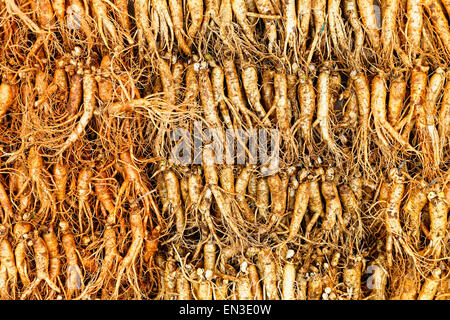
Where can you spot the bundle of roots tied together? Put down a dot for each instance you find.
(94, 203)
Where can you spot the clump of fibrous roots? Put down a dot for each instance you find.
(232, 149)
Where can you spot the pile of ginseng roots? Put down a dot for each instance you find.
(99, 101)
